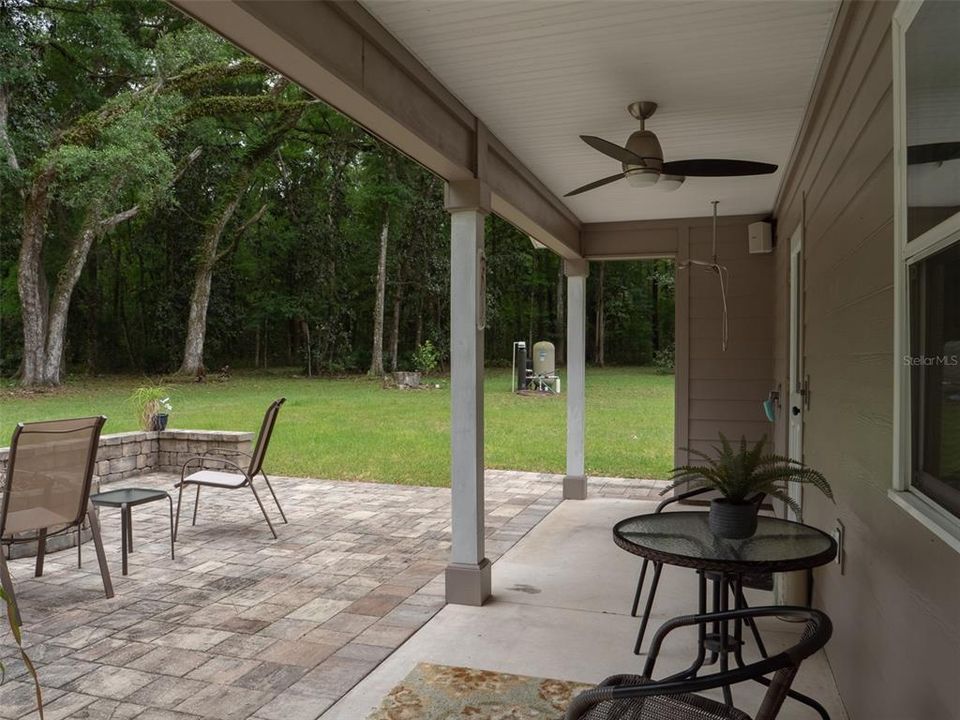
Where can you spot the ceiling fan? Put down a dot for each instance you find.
(643, 165)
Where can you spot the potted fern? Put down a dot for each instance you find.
(743, 477)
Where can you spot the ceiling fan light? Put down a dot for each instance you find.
(642, 177)
(669, 183)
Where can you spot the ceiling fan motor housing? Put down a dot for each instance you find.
(644, 143)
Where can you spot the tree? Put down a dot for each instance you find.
(376, 362)
(240, 174)
(168, 202)
(600, 337)
(99, 157)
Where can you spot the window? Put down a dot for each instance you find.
(927, 281)
(935, 377)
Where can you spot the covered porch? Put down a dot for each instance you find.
(329, 619)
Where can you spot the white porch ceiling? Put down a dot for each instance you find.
(732, 79)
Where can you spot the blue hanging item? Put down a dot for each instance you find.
(770, 409)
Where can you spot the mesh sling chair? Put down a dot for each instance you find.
(633, 697)
(757, 582)
(47, 490)
(243, 477)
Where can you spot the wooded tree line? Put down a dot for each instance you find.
(168, 205)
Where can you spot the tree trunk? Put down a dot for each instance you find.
(418, 339)
(62, 293)
(202, 280)
(31, 283)
(376, 362)
(306, 330)
(395, 329)
(655, 316)
(561, 317)
(600, 330)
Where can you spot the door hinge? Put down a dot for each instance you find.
(804, 392)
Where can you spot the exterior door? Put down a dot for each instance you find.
(795, 406)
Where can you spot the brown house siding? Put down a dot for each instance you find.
(896, 609)
(727, 389)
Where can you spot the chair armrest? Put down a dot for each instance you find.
(686, 495)
(586, 700)
(760, 668)
(680, 497)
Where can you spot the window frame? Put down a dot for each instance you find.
(927, 511)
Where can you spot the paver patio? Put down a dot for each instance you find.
(244, 626)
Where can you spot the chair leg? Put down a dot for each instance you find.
(176, 525)
(41, 551)
(657, 567)
(270, 487)
(751, 623)
(196, 504)
(264, 511)
(80, 546)
(101, 555)
(636, 595)
(172, 536)
(7, 584)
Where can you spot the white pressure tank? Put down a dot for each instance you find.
(544, 358)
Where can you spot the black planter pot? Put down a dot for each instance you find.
(733, 520)
(160, 421)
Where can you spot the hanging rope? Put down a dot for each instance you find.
(723, 276)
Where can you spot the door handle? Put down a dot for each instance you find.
(795, 410)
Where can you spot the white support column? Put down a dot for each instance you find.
(575, 481)
(468, 574)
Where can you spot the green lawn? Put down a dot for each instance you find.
(352, 429)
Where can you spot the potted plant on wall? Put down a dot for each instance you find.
(743, 478)
(152, 404)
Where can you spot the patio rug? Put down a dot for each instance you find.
(441, 692)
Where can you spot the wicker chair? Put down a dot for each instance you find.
(757, 582)
(242, 478)
(631, 697)
(47, 491)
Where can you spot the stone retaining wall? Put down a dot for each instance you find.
(125, 455)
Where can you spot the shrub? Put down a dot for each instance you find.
(663, 361)
(426, 358)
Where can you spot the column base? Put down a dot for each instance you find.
(575, 487)
(468, 584)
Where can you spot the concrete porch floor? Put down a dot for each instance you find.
(561, 607)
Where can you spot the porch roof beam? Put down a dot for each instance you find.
(339, 53)
(646, 239)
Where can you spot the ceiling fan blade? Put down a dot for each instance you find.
(612, 150)
(717, 168)
(933, 153)
(595, 184)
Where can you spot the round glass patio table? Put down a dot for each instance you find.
(684, 539)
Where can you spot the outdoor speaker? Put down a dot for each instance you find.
(761, 237)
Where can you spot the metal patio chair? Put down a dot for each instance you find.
(757, 582)
(242, 478)
(639, 697)
(47, 490)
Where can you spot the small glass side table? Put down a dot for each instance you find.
(125, 499)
